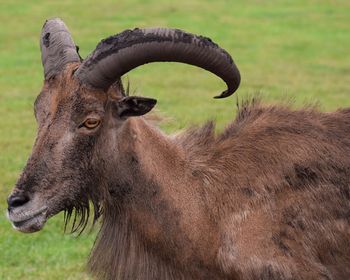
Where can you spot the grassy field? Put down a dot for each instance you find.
(295, 50)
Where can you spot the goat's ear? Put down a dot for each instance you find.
(130, 106)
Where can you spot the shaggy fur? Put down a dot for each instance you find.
(268, 198)
(270, 207)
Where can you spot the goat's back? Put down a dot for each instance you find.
(282, 178)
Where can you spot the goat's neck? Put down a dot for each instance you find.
(158, 157)
(161, 205)
(154, 169)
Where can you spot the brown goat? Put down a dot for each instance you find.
(268, 198)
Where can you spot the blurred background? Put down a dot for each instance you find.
(286, 50)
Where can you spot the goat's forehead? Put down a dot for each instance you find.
(65, 96)
(76, 104)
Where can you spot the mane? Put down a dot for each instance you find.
(118, 240)
(200, 142)
(120, 250)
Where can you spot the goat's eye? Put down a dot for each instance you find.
(91, 123)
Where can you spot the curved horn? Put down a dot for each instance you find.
(57, 47)
(118, 54)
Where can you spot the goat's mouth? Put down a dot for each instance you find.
(28, 221)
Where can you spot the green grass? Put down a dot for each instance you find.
(285, 49)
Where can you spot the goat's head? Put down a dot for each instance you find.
(82, 105)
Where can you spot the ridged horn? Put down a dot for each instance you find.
(57, 47)
(118, 54)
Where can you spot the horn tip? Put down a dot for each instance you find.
(224, 94)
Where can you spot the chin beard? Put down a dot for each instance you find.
(77, 216)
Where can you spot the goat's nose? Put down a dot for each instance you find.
(16, 200)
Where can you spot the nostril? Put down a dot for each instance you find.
(17, 200)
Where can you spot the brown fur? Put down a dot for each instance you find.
(268, 198)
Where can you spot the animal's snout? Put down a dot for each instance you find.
(16, 200)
